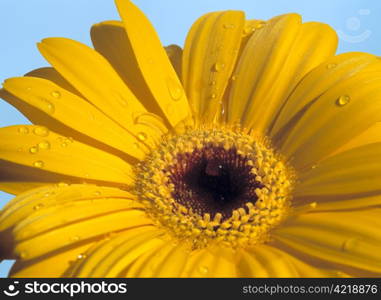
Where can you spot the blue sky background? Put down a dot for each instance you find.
(25, 22)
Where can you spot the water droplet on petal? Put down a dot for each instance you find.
(23, 130)
(38, 206)
(213, 82)
(56, 94)
(38, 164)
(248, 29)
(62, 184)
(331, 66)
(218, 66)
(343, 100)
(234, 77)
(33, 150)
(97, 193)
(174, 89)
(142, 136)
(41, 131)
(349, 244)
(213, 96)
(75, 238)
(260, 25)
(81, 256)
(47, 106)
(203, 269)
(45, 145)
(23, 255)
(313, 205)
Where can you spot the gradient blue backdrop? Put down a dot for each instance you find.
(25, 22)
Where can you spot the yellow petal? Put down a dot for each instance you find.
(352, 172)
(175, 55)
(28, 243)
(16, 188)
(335, 202)
(141, 267)
(35, 202)
(16, 178)
(37, 147)
(168, 260)
(92, 75)
(316, 83)
(51, 74)
(73, 112)
(172, 263)
(211, 262)
(110, 39)
(210, 53)
(275, 58)
(342, 112)
(154, 63)
(110, 257)
(49, 266)
(267, 261)
(346, 238)
(369, 136)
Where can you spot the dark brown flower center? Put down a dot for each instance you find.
(213, 180)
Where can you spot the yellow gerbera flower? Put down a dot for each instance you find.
(254, 151)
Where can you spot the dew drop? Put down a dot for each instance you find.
(218, 66)
(174, 89)
(62, 184)
(41, 131)
(349, 244)
(33, 150)
(64, 144)
(97, 193)
(142, 136)
(203, 269)
(248, 29)
(313, 205)
(23, 130)
(343, 100)
(38, 164)
(44, 145)
(260, 25)
(213, 82)
(38, 206)
(81, 256)
(75, 238)
(213, 96)
(234, 77)
(331, 66)
(23, 255)
(56, 94)
(48, 106)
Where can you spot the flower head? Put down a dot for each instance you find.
(251, 152)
